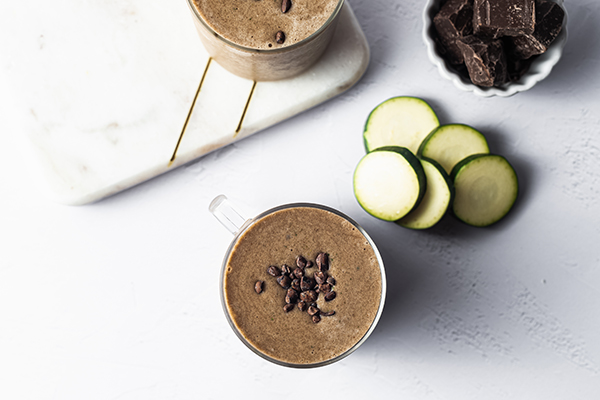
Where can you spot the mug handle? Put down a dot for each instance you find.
(227, 214)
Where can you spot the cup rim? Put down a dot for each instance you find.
(228, 42)
(375, 321)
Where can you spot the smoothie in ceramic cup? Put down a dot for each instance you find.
(302, 285)
(265, 40)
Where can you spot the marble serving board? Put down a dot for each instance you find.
(115, 81)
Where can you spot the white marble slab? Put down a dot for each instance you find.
(111, 116)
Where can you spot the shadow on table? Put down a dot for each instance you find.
(432, 269)
(578, 64)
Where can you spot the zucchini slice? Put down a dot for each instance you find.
(399, 121)
(486, 188)
(389, 182)
(449, 144)
(437, 199)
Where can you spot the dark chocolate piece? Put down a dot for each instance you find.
(452, 22)
(549, 18)
(497, 18)
(485, 60)
(517, 68)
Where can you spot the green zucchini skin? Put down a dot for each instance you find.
(415, 163)
(414, 166)
(391, 100)
(511, 175)
(404, 222)
(446, 176)
(476, 141)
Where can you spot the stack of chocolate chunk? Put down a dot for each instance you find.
(496, 40)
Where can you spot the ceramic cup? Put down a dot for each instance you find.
(265, 64)
(231, 219)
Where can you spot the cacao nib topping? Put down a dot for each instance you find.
(291, 297)
(312, 310)
(301, 262)
(320, 277)
(296, 285)
(280, 37)
(284, 281)
(325, 288)
(286, 270)
(306, 283)
(288, 307)
(258, 287)
(330, 296)
(300, 290)
(302, 305)
(322, 262)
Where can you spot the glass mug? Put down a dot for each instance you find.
(265, 64)
(334, 338)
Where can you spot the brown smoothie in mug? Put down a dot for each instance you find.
(254, 27)
(291, 334)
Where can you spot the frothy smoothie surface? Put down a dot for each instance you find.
(277, 240)
(255, 23)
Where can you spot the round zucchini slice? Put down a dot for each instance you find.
(437, 199)
(449, 144)
(486, 188)
(389, 182)
(399, 121)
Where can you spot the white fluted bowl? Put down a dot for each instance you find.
(540, 68)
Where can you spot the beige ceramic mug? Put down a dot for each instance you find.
(264, 64)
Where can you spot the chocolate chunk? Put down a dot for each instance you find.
(284, 281)
(497, 18)
(274, 271)
(485, 60)
(548, 24)
(331, 281)
(454, 21)
(322, 262)
(288, 307)
(327, 314)
(330, 296)
(517, 68)
(286, 5)
(258, 287)
(301, 262)
(316, 319)
(309, 264)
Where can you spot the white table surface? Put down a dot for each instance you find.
(119, 299)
